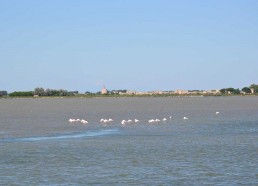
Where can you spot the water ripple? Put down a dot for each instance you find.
(63, 136)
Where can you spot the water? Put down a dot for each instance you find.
(38, 146)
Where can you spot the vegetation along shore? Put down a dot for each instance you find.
(41, 92)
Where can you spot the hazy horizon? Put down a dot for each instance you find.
(134, 45)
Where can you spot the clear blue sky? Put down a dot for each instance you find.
(128, 44)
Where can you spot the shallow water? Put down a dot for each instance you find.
(38, 146)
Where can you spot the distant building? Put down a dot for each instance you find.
(213, 91)
(141, 93)
(3, 93)
(130, 92)
(181, 92)
(104, 90)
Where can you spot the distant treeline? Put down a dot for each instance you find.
(43, 92)
(39, 91)
(252, 89)
(52, 92)
(21, 93)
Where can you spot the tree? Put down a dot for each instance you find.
(48, 92)
(246, 90)
(88, 93)
(39, 91)
(63, 92)
(55, 92)
(230, 91)
(254, 88)
(223, 91)
(236, 91)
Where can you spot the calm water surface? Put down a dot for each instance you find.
(38, 146)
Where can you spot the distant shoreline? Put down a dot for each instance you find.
(124, 96)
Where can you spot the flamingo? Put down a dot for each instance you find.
(84, 121)
(71, 120)
(151, 120)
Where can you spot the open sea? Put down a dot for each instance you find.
(39, 146)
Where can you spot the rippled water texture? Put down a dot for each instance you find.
(38, 146)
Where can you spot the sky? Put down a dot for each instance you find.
(138, 45)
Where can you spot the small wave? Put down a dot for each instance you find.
(66, 136)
